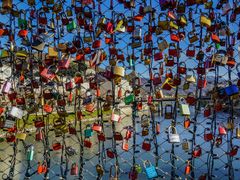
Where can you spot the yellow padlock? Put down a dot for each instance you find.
(205, 21)
(238, 132)
(118, 70)
(21, 136)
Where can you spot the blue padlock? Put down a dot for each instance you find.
(150, 170)
(88, 132)
(232, 90)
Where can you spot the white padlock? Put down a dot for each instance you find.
(6, 87)
(116, 115)
(9, 123)
(173, 136)
(16, 112)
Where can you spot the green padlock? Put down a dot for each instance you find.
(22, 22)
(186, 86)
(217, 46)
(71, 26)
(138, 168)
(128, 98)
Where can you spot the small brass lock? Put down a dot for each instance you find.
(185, 145)
(238, 132)
(145, 131)
(99, 169)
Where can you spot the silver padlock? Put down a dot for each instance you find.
(173, 136)
(16, 112)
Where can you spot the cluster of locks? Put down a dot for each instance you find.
(76, 68)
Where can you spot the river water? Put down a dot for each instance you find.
(125, 158)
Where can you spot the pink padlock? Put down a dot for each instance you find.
(6, 87)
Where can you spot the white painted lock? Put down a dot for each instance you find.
(6, 87)
(116, 115)
(173, 136)
(16, 112)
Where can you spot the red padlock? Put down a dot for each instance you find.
(190, 99)
(150, 100)
(118, 136)
(74, 169)
(71, 129)
(207, 111)
(170, 61)
(56, 145)
(182, 68)
(188, 168)
(133, 174)
(128, 134)
(233, 151)
(146, 145)
(191, 50)
(87, 143)
(125, 145)
(197, 151)
(39, 135)
(96, 127)
(222, 130)
(157, 79)
(208, 136)
(218, 140)
(101, 136)
(110, 153)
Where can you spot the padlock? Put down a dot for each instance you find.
(197, 151)
(173, 136)
(74, 169)
(116, 172)
(118, 136)
(6, 87)
(96, 127)
(207, 111)
(163, 23)
(56, 145)
(87, 143)
(30, 153)
(101, 136)
(184, 109)
(182, 68)
(39, 134)
(133, 174)
(145, 131)
(150, 170)
(157, 127)
(125, 145)
(146, 145)
(69, 11)
(129, 98)
(190, 99)
(222, 130)
(186, 122)
(233, 151)
(16, 112)
(190, 51)
(232, 90)
(162, 44)
(188, 168)
(145, 121)
(99, 169)
(110, 153)
(208, 136)
(88, 131)
(168, 111)
(238, 132)
(72, 129)
(119, 71)
(218, 140)
(185, 145)
(116, 116)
